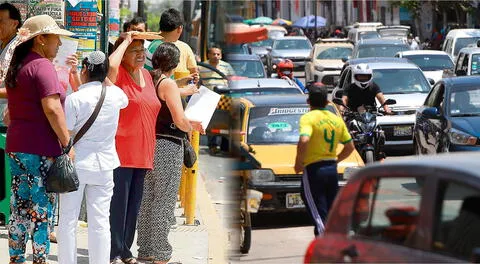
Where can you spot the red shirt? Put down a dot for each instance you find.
(135, 139)
(29, 130)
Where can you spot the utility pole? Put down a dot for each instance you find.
(104, 28)
(141, 9)
(315, 14)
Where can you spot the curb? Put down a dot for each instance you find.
(217, 238)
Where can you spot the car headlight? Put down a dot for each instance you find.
(259, 176)
(318, 68)
(349, 172)
(461, 138)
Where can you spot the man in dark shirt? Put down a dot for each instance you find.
(363, 91)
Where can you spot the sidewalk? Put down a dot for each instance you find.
(203, 243)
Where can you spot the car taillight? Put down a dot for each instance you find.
(309, 253)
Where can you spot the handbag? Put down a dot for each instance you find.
(62, 176)
(189, 155)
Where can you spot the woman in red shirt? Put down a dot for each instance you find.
(135, 141)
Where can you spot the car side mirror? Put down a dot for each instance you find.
(461, 72)
(431, 112)
(273, 75)
(431, 81)
(221, 89)
(269, 49)
(345, 59)
(338, 94)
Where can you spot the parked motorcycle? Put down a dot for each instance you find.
(367, 135)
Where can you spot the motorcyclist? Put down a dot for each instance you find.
(285, 69)
(363, 91)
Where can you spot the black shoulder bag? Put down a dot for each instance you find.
(62, 176)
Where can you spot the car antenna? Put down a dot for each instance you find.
(258, 83)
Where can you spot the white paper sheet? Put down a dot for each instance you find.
(202, 105)
(69, 47)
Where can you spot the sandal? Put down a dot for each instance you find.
(52, 237)
(131, 260)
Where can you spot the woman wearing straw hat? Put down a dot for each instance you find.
(135, 141)
(36, 100)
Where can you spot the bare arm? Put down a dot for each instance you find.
(381, 99)
(117, 56)
(301, 150)
(3, 92)
(73, 77)
(172, 97)
(346, 151)
(52, 108)
(345, 102)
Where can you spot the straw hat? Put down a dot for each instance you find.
(38, 25)
(32, 27)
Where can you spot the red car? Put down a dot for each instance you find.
(420, 210)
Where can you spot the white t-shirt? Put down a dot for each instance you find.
(95, 151)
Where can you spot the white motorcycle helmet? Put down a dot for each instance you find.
(362, 75)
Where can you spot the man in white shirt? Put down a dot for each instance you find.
(96, 157)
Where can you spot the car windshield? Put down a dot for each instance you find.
(368, 35)
(461, 43)
(236, 93)
(465, 102)
(400, 81)
(475, 70)
(334, 53)
(428, 62)
(263, 43)
(250, 69)
(365, 51)
(291, 44)
(276, 125)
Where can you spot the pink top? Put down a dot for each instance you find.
(135, 139)
(29, 130)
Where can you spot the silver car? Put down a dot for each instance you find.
(297, 49)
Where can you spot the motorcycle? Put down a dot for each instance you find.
(368, 137)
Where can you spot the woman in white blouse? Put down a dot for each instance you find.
(95, 159)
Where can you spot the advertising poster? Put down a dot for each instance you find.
(114, 18)
(53, 8)
(22, 7)
(82, 20)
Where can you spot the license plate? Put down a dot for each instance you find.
(294, 200)
(399, 131)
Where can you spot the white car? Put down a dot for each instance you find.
(326, 60)
(458, 39)
(400, 80)
(468, 62)
(433, 63)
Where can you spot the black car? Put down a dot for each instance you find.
(449, 120)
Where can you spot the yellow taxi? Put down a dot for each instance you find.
(269, 128)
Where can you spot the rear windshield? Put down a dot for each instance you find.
(263, 43)
(250, 69)
(334, 53)
(365, 51)
(428, 62)
(461, 43)
(292, 44)
(276, 125)
(368, 35)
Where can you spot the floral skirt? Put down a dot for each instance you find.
(31, 207)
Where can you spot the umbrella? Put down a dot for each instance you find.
(240, 34)
(281, 22)
(309, 22)
(259, 20)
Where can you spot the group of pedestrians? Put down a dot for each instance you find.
(129, 162)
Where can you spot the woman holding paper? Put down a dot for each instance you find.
(161, 184)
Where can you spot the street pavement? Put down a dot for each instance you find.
(202, 243)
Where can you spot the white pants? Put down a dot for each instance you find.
(98, 186)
